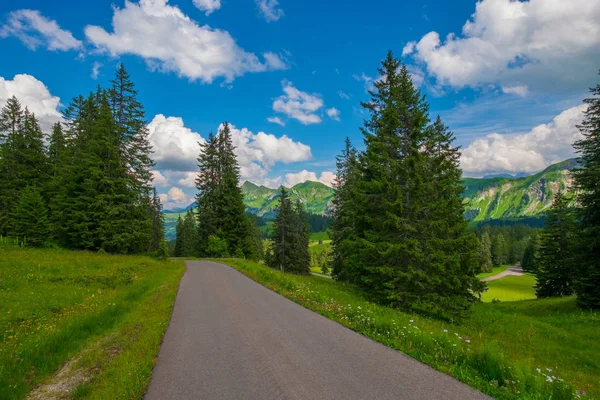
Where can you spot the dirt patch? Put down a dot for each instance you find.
(62, 383)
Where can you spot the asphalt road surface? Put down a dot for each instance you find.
(231, 338)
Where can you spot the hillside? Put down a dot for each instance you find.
(509, 198)
(493, 198)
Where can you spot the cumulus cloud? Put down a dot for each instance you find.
(333, 113)
(176, 150)
(35, 30)
(343, 95)
(159, 179)
(507, 42)
(34, 95)
(529, 152)
(170, 41)
(327, 178)
(175, 198)
(268, 9)
(298, 104)
(208, 6)
(175, 146)
(276, 120)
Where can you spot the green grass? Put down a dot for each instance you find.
(495, 271)
(497, 350)
(316, 236)
(106, 315)
(510, 288)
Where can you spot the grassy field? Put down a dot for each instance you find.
(538, 349)
(510, 288)
(316, 236)
(97, 320)
(495, 271)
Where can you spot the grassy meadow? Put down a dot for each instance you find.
(510, 288)
(80, 322)
(494, 271)
(536, 349)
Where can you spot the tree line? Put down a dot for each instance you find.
(87, 185)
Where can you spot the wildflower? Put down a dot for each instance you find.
(412, 320)
(538, 370)
(549, 369)
(467, 340)
(445, 330)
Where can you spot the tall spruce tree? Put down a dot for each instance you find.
(530, 255)
(302, 264)
(178, 252)
(499, 250)
(343, 212)
(31, 221)
(587, 181)
(158, 224)
(409, 245)
(284, 235)
(11, 117)
(221, 209)
(485, 252)
(556, 263)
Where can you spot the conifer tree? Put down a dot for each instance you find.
(158, 223)
(207, 183)
(31, 221)
(556, 264)
(409, 244)
(530, 255)
(499, 250)
(189, 235)
(587, 181)
(284, 235)
(485, 252)
(302, 263)
(178, 251)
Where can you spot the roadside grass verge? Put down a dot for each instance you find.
(102, 316)
(495, 271)
(510, 288)
(509, 351)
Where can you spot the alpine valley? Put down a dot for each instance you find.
(495, 199)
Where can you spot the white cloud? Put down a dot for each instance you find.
(208, 6)
(35, 30)
(34, 95)
(276, 120)
(175, 146)
(512, 43)
(275, 61)
(176, 150)
(327, 178)
(175, 198)
(269, 10)
(333, 113)
(298, 105)
(257, 153)
(96, 70)
(170, 41)
(368, 81)
(529, 152)
(521, 90)
(343, 95)
(159, 179)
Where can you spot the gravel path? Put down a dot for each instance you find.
(514, 270)
(231, 338)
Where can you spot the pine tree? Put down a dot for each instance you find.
(207, 184)
(189, 235)
(158, 223)
(24, 160)
(485, 253)
(499, 250)
(284, 235)
(587, 181)
(31, 221)
(343, 212)
(556, 265)
(178, 251)
(530, 255)
(302, 264)
(409, 244)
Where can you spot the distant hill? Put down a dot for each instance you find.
(486, 199)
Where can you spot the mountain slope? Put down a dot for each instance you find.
(507, 198)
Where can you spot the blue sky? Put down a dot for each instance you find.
(507, 76)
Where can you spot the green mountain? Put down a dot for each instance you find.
(511, 198)
(494, 198)
(263, 201)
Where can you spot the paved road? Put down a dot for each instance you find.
(231, 338)
(514, 270)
